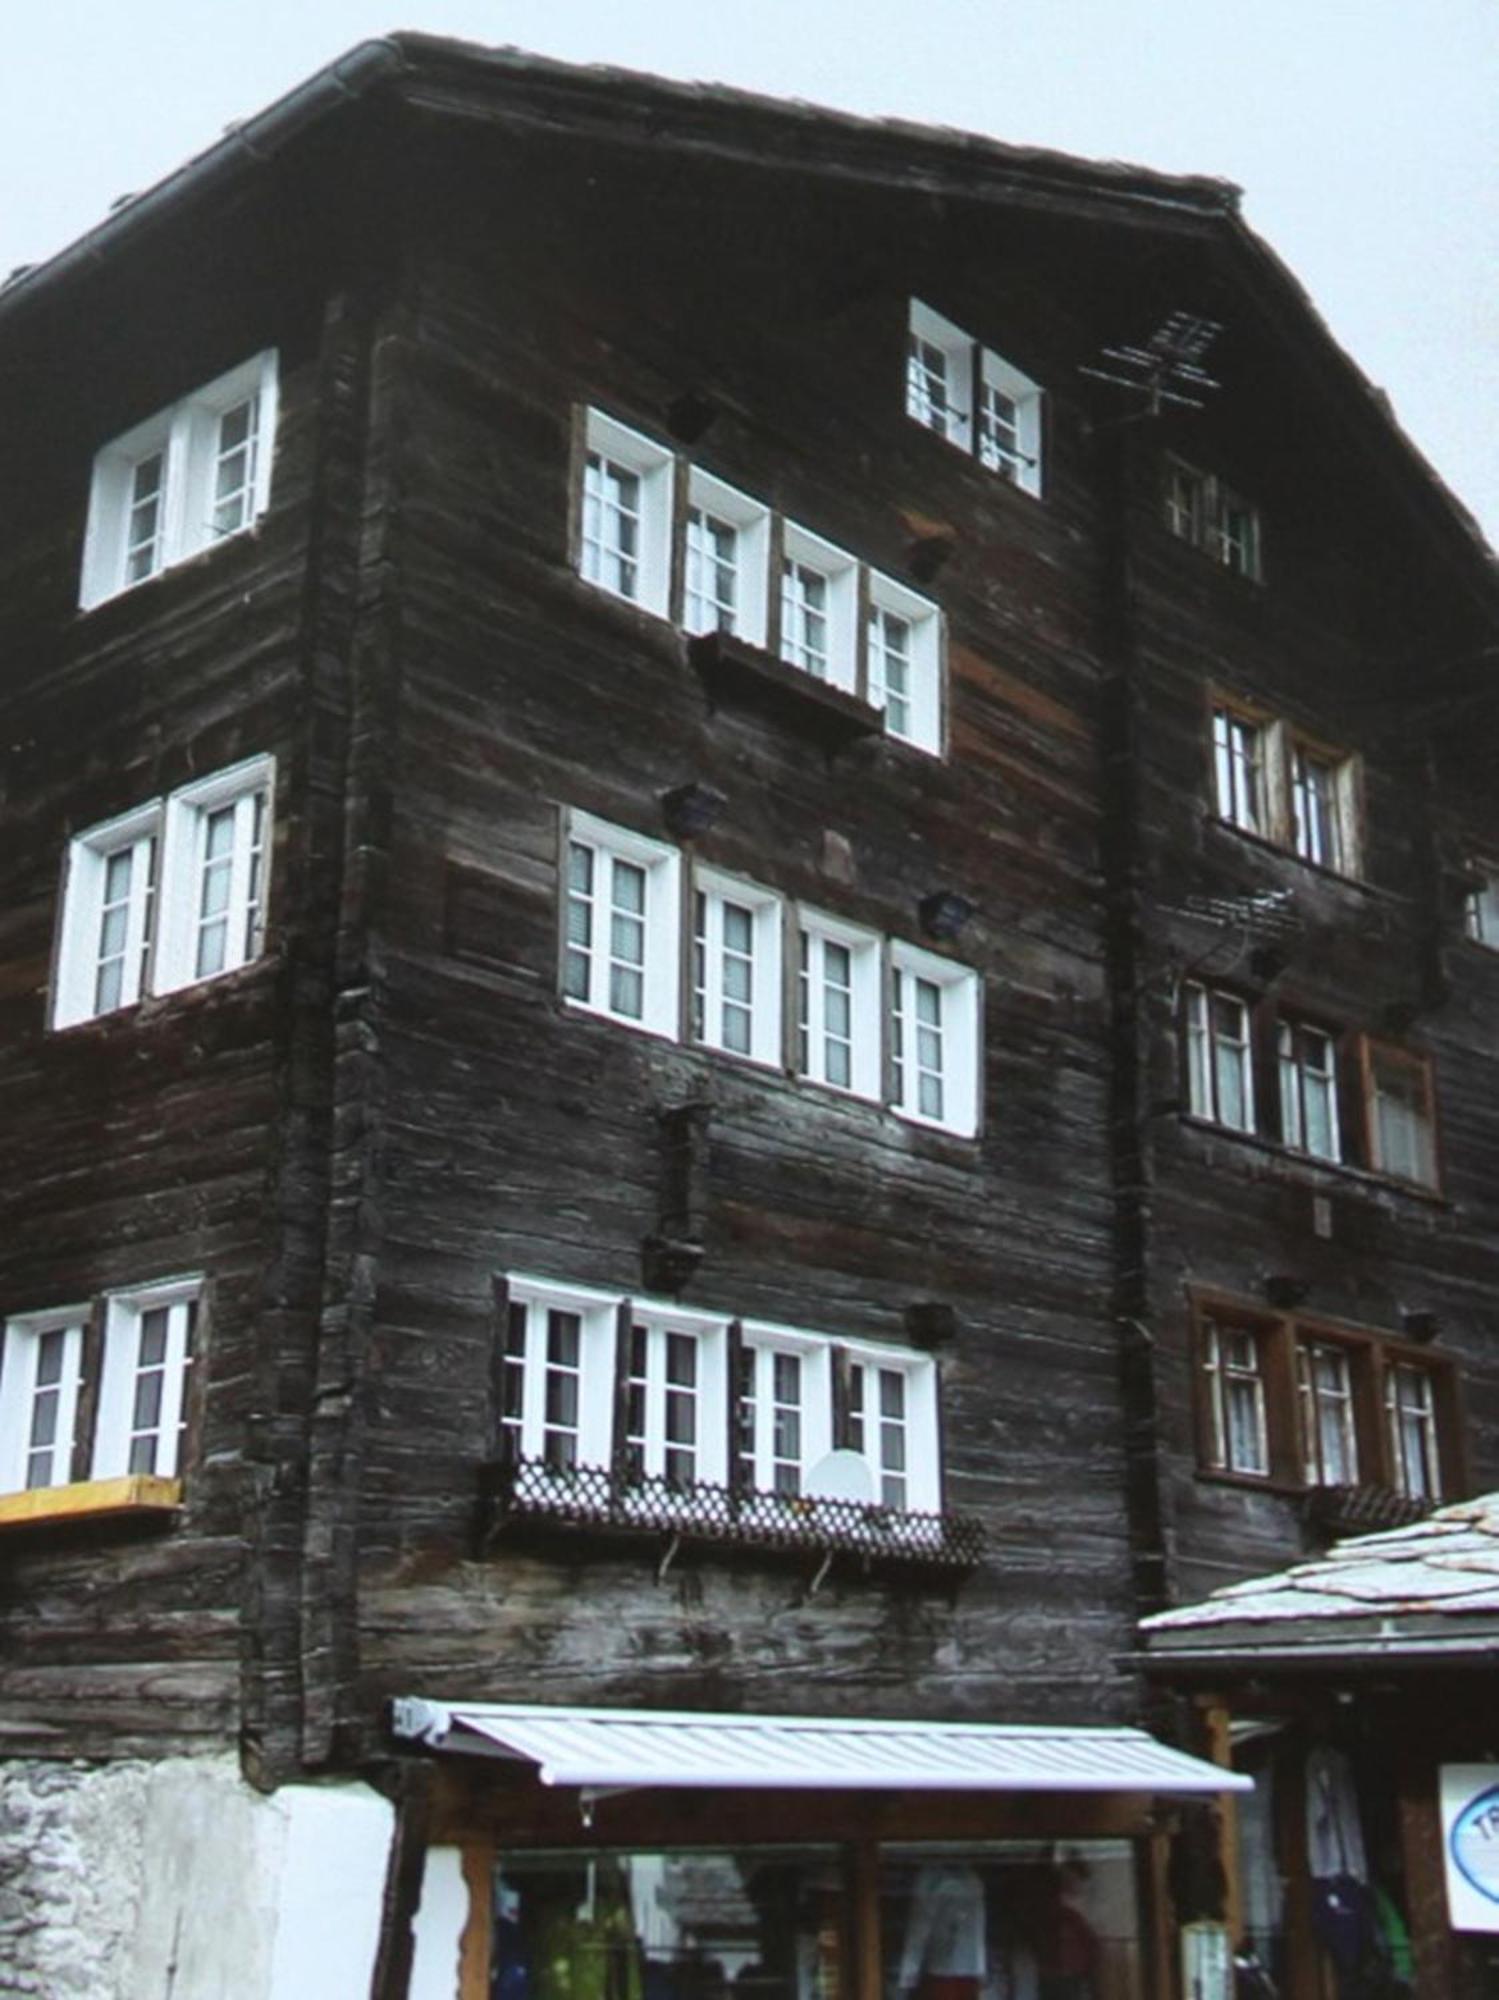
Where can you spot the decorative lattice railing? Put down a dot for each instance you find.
(1362, 1510)
(598, 1498)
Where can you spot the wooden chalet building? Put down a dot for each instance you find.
(748, 898)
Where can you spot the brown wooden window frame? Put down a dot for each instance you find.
(1268, 807)
(1207, 513)
(1372, 1054)
(1356, 1059)
(1481, 905)
(1292, 1455)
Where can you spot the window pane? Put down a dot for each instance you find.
(762, 1924)
(1410, 1409)
(234, 468)
(890, 668)
(1035, 1918)
(1236, 1399)
(143, 518)
(712, 582)
(804, 618)
(1328, 1434)
(927, 397)
(611, 525)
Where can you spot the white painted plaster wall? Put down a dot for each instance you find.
(332, 1881)
(438, 1931)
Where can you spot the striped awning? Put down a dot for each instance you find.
(601, 1749)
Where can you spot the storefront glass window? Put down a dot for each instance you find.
(1012, 1920)
(758, 1924)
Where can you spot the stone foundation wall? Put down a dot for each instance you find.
(177, 1881)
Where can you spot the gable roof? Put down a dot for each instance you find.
(1417, 1594)
(442, 77)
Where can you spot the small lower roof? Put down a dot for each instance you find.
(1423, 1591)
(622, 1748)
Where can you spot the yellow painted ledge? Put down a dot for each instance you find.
(91, 1500)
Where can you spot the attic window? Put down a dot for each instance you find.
(190, 476)
(1201, 510)
(975, 399)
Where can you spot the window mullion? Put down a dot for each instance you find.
(534, 1382)
(90, 1372)
(736, 1356)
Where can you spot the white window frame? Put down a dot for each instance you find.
(622, 449)
(597, 1313)
(971, 377)
(184, 864)
(186, 436)
(909, 1040)
(750, 522)
(811, 1027)
(767, 978)
(662, 921)
(761, 1343)
(79, 940)
(954, 419)
(709, 1448)
(922, 723)
(1019, 461)
(803, 551)
(1205, 1046)
(120, 1369)
(162, 928)
(19, 1393)
(922, 1471)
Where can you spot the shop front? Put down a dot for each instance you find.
(1355, 1692)
(644, 1855)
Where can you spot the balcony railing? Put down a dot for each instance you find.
(1362, 1510)
(599, 1499)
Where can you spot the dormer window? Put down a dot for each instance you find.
(193, 475)
(951, 379)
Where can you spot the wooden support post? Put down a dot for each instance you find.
(868, 1977)
(1219, 1739)
(477, 1943)
(1163, 1964)
(403, 1881)
(1425, 1881)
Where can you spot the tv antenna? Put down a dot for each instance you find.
(1167, 368)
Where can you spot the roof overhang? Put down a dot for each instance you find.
(604, 1749)
(1314, 1648)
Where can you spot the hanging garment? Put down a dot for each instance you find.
(945, 1931)
(1334, 1834)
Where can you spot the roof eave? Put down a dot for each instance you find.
(243, 146)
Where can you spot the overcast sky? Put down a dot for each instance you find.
(1365, 133)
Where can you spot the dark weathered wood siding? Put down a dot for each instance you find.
(353, 1138)
(519, 1136)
